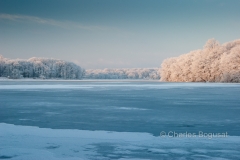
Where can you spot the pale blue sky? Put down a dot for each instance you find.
(114, 33)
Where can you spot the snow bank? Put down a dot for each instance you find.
(214, 63)
(24, 142)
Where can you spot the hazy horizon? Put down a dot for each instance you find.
(114, 34)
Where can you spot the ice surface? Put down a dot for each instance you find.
(129, 106)
(24, 142)
(117, 119)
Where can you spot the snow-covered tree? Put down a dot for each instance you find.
(214, 63)
(125, 73)
(39, 68)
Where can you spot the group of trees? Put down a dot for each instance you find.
(45, 68)
(130, 73)
(39, 68)
(214, 63)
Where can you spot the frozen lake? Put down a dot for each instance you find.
(118, 120)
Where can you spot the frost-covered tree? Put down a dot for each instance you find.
(39, 68)
(129, 73)
(214, 63)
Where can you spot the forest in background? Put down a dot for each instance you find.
(43, 68)
(124, 73)
(46, 68)
(213, 63)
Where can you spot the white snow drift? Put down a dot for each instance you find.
(214, 63)
(28, 142)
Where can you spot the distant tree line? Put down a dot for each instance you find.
(46, 68)
(126, 73)
(39, 68)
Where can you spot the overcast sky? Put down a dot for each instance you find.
(114, 33)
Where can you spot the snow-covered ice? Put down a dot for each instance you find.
(24, 142)
(117, 120)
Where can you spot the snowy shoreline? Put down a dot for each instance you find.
(39, 79)
(107, 80)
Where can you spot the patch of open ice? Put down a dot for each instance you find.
(131, 108)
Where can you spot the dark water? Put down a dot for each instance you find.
(124, 106)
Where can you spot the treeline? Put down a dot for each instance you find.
(46, 68)
(213, 63)
(130, 73)
(39, 68)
